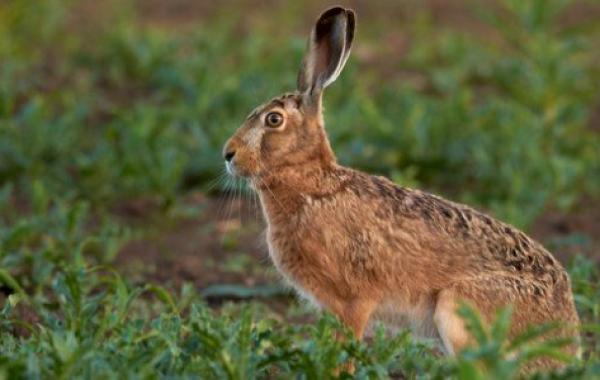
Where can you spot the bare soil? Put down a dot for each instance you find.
(222, 244)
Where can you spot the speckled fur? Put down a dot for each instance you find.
(365, 248)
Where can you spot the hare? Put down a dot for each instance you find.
(364, 248)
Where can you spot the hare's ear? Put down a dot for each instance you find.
(328, 50)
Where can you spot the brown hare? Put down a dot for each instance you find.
(364, 248)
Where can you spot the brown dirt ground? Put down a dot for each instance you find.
(221, 245)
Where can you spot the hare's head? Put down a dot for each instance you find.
(288, 130)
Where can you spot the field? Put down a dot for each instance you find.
(125, 250)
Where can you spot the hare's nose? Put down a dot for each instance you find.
(229, 155)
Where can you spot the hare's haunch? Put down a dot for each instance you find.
(364, 248)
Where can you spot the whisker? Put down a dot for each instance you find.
(216, 182)
(225, 199)
(239, 202)
(234, 199)
(230, 198)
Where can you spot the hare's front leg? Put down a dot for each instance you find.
(355, 314)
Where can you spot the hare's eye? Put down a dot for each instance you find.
(274, 119)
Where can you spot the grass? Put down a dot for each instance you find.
(99, 112)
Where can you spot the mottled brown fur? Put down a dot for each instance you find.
(364, 248)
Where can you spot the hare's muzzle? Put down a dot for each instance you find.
(229, 152)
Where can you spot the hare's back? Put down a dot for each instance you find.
(487, 242)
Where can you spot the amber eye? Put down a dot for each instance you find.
(274, 119)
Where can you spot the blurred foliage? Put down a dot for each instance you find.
(99, 110)
(120, 110)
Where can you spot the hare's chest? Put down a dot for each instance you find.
(287, 260)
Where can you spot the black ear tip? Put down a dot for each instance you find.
(330, 16)
(333, 12)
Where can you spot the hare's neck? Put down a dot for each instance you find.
(284, 193)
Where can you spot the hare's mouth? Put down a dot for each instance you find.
(236, 171)
(231, 170)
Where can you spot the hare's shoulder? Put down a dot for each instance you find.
(491, 238)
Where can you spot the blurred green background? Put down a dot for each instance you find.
(487, 104)
(112, 119)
